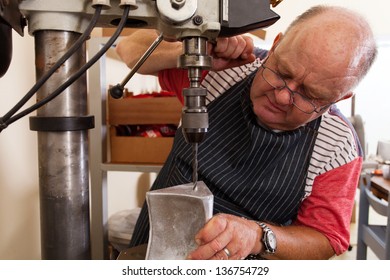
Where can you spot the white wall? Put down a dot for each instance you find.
(19, 202)
(375, 12)
(19, 205)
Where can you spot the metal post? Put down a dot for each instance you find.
(63, 155)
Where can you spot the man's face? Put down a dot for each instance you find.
(305, 70)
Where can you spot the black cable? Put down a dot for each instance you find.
(77, 75)
(57, 65)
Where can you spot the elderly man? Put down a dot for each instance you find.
(281, 160)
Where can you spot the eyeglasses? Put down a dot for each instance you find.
(303, 103)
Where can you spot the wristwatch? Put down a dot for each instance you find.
(268, 239)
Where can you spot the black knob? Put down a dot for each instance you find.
(116, 91)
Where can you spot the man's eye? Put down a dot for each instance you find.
(285, 76)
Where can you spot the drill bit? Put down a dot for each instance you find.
(195, 164)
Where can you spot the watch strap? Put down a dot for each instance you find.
(264, 238)
(261, 256)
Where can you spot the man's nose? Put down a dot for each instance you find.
(283, 96)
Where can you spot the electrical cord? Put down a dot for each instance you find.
(75, 76)
(4, 121)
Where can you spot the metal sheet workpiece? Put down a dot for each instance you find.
(176, 214)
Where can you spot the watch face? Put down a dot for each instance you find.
(271, 240)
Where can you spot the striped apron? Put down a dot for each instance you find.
(252, 172)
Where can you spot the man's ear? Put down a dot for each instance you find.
(276, 41)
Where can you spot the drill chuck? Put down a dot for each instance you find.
(195, 121)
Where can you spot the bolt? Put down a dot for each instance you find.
(197, 20)
(177, 4)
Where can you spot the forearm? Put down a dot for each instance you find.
(243, 237)
(132, 47)
(300, 242)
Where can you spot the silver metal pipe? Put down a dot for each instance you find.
(63, 155)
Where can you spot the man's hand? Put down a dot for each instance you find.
(232, 52)
(238, 235)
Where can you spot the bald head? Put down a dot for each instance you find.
(334, 37)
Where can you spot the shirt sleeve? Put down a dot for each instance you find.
(329, 207)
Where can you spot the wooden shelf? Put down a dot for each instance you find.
(131, 167)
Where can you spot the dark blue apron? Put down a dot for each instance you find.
(252, 172)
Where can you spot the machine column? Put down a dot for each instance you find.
(62, 151)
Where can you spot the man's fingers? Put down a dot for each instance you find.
(233, 47)
(212, 229)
